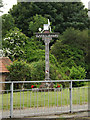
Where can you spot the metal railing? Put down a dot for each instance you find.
(42, 101)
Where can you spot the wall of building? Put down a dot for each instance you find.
(2, 79)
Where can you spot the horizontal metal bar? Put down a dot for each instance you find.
(86, 80)
(9, 82)
(5, 90)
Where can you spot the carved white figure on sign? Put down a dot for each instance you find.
(46, 27)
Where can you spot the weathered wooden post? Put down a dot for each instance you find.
(47, 36)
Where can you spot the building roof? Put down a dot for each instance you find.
(4, 62)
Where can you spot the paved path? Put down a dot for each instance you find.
(41, 111)
(73, 116)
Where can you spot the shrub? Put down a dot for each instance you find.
(38, 71)
(19, 71)
(77, 73)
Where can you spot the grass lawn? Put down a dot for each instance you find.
(28, 99)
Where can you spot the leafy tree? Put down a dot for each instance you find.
(8, 23)
(88, 56)
(32, 49)
(19, 71)
(67, 55)
(34, 54)
(71, 49)
(75, 38)
(62, 15)
(36, 23)
(13, 44)
(38, 71)
(77, 73)
(57, 73)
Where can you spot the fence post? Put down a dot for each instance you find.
(70, 89)
(11, 101)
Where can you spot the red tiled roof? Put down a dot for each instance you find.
(4, 62)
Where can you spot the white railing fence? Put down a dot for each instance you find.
(27, 101)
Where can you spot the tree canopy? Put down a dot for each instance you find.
(72, 47)
(19, 70)
(62, 15)
(8, 23)
(69, 53)
(13, 43)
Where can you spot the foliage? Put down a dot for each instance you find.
(33, 49)
(69, 55)
(88, 56)
(71, 49)
(36, 23)
(19, 71)
(62, 15)
(75, 38)
(38, 71)
(38, 54)
(13, 43)
(8, 23)
(73, 73)
(70, 52)
(77, 73)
